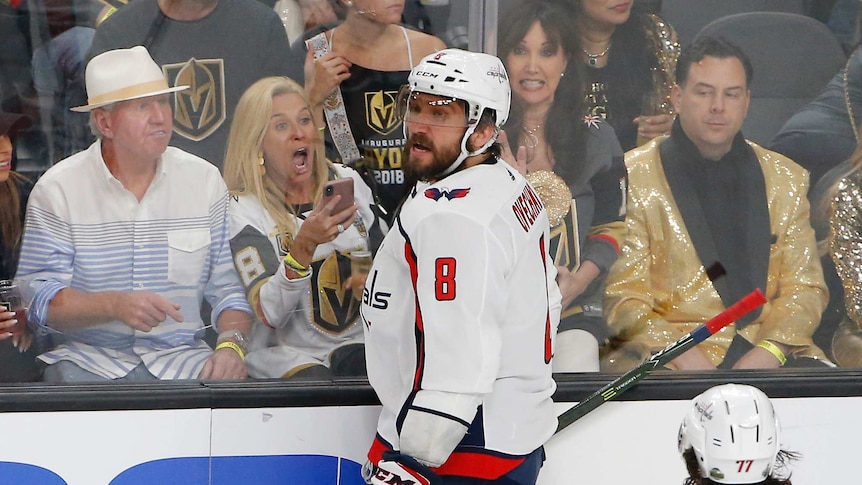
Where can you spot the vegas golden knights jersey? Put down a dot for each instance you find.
(300, 321)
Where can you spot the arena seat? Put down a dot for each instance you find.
(793, 56)
(689, 16)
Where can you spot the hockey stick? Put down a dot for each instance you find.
(662, 357)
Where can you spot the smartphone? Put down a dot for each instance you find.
(342, 187)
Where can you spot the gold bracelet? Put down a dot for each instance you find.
(294, 265)
(773, 349)
(227, 344)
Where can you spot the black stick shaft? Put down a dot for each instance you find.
(672, 351)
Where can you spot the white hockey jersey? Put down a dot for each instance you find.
(462, 299)
(300, 321)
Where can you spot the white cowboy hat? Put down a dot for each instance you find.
(122, 74)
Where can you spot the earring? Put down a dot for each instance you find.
(260, 164)
(349, 3)
(562, 74)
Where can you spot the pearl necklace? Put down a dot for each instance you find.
(594, 58)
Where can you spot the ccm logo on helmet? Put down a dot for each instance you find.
(426, 74)
(495, 72)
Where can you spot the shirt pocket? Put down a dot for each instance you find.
(187, 253)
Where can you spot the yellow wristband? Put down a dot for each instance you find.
(108, 13)
(294, 265)
(231, 345)
(773, 349)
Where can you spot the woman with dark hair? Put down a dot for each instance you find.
(17, 363)
(14, 191)
(738, 443)
(630, 55)
(575, 163)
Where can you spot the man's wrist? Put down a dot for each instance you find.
(773, 349)
(236, 337)
(228, 344)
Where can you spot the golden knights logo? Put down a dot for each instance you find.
(564, 247)
(199, 110)
(334, 308)
(380, 111)
(284, 241)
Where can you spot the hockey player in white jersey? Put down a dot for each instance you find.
(461, 306)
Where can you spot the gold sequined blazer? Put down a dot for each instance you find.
(659, 290)
(845, 247)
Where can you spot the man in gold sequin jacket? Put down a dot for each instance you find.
(710, 218)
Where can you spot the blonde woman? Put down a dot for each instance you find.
(292, 248)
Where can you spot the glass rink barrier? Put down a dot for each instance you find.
(269, 432)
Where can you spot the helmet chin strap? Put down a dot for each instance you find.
(467, 153)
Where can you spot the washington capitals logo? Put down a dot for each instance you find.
(592, 121)
(704, 410)
(436, 194)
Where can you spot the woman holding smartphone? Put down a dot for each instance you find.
(292, 236)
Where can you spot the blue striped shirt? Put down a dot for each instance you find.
(85, 231)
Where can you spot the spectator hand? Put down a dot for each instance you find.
(692, 359)
(757, 358)
(356, 283)
(143, 310)
(7, 319)
(22, 341)
(518, 162)
(316, 12)
(573, 283)
(321, 225)
(650, 127)
(324, 74)
(225, 363)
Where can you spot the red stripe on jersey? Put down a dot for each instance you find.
(606, 238)
(419, 329)
(478, 465)
(486, 466)
(378, 446)
(549, 351)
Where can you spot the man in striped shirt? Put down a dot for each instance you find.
(123, 240)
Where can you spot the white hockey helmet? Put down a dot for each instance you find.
(734, 433)
(478, 79)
